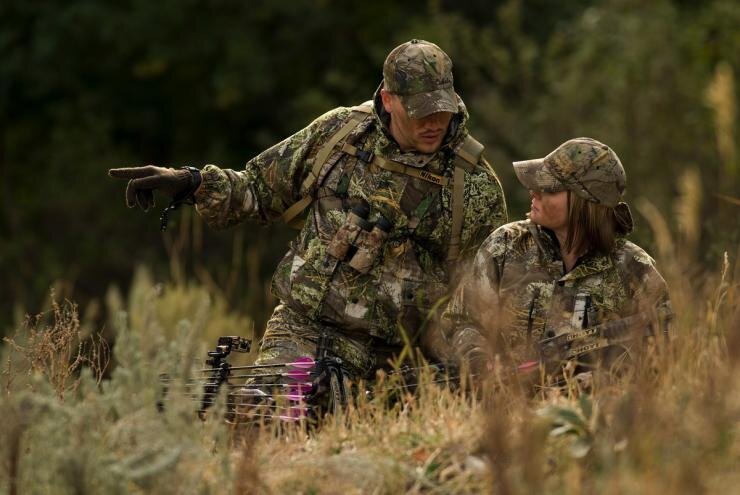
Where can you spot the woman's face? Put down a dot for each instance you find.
(549, 210)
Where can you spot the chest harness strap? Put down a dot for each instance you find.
(467, 157)
(359, 113)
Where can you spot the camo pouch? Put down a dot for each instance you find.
(309, 278)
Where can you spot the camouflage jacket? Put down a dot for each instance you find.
(411, 274)
(518, 293)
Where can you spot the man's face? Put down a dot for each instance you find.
(424, 135)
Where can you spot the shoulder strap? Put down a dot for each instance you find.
(466, 159)
(359, 113)
(468, 154)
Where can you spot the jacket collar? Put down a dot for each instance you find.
(589, 264)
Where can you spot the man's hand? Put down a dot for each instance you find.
(143, 181)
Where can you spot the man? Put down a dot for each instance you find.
(396, 194)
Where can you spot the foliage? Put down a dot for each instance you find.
(108, 437)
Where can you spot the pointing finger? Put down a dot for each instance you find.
(133, 172)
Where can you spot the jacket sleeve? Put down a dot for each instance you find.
(485, 208)
(648, 289)
(484, 211)
(271, 181)
(474, 308)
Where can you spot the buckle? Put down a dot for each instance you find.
(365, 156)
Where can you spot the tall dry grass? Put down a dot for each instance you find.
(671, 430)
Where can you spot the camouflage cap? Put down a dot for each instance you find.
(420, 73)
(583, 165)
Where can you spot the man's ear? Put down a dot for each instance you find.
(386, 97)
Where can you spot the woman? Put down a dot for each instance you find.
(564, 269)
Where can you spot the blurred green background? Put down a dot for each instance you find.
(89, 85)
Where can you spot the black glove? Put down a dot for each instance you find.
(180, 184)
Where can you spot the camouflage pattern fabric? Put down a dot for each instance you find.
(517, 292)
(420, 73)
(410, 274)
(583, 165)
(290, 335)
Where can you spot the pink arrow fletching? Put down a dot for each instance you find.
(304, 362)
(528, 366)
(300, 388)
(298, 411)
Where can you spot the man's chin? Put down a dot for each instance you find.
(427, 147)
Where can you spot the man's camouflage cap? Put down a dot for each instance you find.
(420, 73)
(582, 165)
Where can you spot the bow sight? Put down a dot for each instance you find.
(220, 369)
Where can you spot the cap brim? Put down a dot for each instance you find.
(421, 105)
(534, 175)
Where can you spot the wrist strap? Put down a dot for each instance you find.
(187, 197)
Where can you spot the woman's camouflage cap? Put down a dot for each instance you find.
(582, 165)
(420, 73)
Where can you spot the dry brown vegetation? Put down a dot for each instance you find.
(671, 427)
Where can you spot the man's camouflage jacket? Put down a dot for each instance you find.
(411, 274)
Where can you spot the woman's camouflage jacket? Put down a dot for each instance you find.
(518, 292)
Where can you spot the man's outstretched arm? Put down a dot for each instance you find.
(269, 184)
